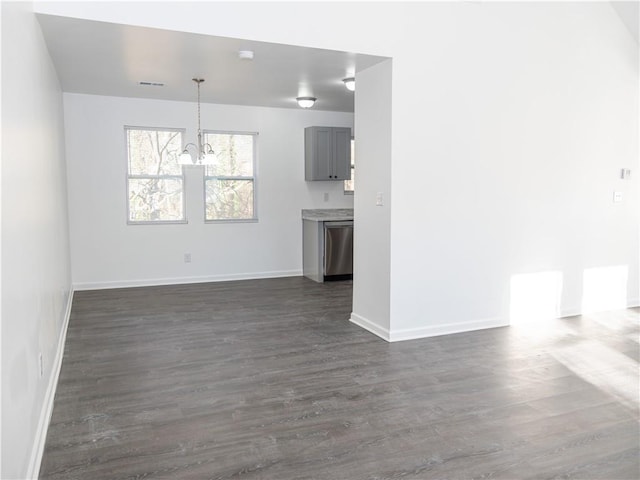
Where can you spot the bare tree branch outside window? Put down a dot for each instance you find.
(155, 181)
(230, 184)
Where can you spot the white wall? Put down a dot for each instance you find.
(36, 278)
(372, 234)
(510, 122)
(527, 117)
(107, 252)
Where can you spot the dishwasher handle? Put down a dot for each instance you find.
(345, 223)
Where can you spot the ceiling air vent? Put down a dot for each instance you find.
(151, 84)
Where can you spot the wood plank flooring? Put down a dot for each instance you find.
(267, 379)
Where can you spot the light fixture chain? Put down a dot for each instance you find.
(200, 148)
(198, 106)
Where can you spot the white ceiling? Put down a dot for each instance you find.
(109, 59)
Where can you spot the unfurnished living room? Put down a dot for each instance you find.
(320, 240)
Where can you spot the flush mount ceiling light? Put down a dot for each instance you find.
(306, 102)
(350, 83)
(204, 157)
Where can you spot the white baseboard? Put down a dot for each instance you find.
(33, 470)
(447, 329)
(370, 326)
(152, 282)
(570, 312)
(425, 332)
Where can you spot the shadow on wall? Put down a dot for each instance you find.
(538, 296)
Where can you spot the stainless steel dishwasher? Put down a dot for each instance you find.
(338, 250)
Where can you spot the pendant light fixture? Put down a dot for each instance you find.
(204, 157)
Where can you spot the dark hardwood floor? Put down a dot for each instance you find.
(268, 379)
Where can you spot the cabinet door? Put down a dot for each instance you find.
(327, 152)
(341, 153)
(318, 153)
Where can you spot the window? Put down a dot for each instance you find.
(349, 184)
(155, 184)
(229, 185)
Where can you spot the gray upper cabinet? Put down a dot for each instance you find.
(327, 153)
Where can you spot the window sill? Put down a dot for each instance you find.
(158, 222)
(231, 220)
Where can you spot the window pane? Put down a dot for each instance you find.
(235, 154)
(154, 152)
(229, 199)
(350, 184)
(155, 199)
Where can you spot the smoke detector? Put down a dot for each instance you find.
(245, 55)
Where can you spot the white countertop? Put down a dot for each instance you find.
(328, 214)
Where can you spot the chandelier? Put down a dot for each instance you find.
(204, 157)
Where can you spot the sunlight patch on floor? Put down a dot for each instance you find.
(623, 323)
(603, 367)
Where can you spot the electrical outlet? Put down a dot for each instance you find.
(617, 197)
(326, 197)
(187, 258)
(41, 364)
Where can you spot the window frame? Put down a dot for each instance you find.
(253, 178)
(128, 176)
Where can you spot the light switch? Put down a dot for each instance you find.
(379, 199)
(617, 197)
